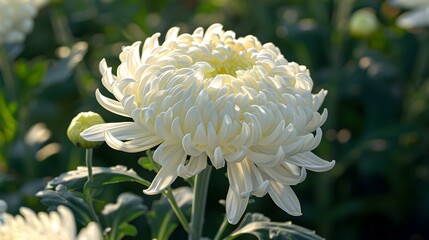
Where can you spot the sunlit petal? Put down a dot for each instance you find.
(195, 165)
(172, 157)
(285, 198)
(235, 206)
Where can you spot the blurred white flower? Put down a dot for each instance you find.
(3, 208)
(210, 95)
(418, 16)
(16, 19)
(45, 226)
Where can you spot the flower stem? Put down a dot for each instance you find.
(8, 78)
(199, 203)
(87, 189)
(221, 228)
(169, 195)
(176, 209)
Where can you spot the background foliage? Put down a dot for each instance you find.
(378, 98)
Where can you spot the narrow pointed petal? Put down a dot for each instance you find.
(284, 173)
(236, 156)
(263, 159)
(239, 177)
(189, 147)
(284, 197)
(235, 206)
(168, 172)
(109, 104)
(195, 165)
(120, 130)
(217, 158)
(132, 146)
(259, 184)
(311, 162)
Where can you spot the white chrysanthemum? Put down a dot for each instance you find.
(417, 17)
(209, 95)
(16, 19)
(46, 226)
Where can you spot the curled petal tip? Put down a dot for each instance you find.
(151, 192)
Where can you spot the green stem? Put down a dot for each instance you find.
(176, 209)
(199, 203)
(222, 228)
(87, 189)
(88, 159)
(169, 195)
(422, 58)
(8, 78)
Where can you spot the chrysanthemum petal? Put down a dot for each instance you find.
(264, 159)
(217, 158)
(284, 197)
(107, 78)
(236, 156)
(235, 206)
(173, 157)
(120, 130)
(311, 162)
(195, 165)
(111, 105)
(239, 177)
(260, 186)
(287, 174)
(189, 147)
(132, 146)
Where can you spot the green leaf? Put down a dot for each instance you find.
(262, 228)
(118, 215)
(101, 176)
(62, 196)
(148, 163)
(161, 218)
(8, 123)
(30, 73)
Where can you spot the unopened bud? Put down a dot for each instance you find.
(363, 23)
(80, 123)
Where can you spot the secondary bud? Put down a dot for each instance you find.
(363, 23)
(80, 123)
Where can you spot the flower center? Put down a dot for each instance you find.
(231, 64)
(227, 60)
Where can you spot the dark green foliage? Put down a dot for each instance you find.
(161, 218)
(117, 216)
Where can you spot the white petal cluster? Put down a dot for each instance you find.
(418, 16)
(16, 19)
(210, 95)
(45, 226)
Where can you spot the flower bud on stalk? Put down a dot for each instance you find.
(80, 123)
(363, 23)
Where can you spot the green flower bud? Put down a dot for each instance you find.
(80, 123)
(363, 23)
